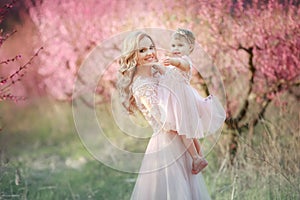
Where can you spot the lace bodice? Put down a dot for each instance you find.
(145, 93)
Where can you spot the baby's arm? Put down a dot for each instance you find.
(178, 62)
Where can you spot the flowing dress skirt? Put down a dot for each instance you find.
(165, 173)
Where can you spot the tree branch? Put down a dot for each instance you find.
(252, 69)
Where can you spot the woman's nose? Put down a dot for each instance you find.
(150, 51)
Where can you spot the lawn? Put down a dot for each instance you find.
(42, 157)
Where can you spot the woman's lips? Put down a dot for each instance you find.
(149, 59)
(176, 53)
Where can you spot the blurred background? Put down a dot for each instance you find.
(255, 46)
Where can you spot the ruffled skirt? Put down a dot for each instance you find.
(188, 113)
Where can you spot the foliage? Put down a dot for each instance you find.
(8, 81)
(258, 39)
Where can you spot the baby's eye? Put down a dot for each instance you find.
(173, 45)
(142, 50)
(180, 45)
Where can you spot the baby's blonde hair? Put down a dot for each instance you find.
(128, 64)
(187, 34)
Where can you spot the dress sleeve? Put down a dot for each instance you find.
(147, 102)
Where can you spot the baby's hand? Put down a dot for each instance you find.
(167, 61)
(171, 61)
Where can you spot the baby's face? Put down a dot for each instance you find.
(180, 46)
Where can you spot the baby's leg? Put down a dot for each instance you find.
(190, 145)
(197, 146)
(193, 147)
(203, 162)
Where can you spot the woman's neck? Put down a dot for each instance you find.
(144, 70)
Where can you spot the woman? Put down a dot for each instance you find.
(168, 171)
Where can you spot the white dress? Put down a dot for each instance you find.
(165, 172)
(185, 110)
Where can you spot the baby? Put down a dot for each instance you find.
(186, 111)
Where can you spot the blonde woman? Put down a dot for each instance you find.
(167, 168)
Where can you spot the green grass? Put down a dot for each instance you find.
(92, 181)
(42, 157)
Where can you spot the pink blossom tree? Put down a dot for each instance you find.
(69, 30)
(254, 44)
(9, 75)
(261, 40)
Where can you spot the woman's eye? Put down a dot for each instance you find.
(142, 51)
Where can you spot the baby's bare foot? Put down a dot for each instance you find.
(199, 164)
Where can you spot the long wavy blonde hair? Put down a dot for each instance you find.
(128, 64)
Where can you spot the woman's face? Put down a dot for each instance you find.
(146, 52)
